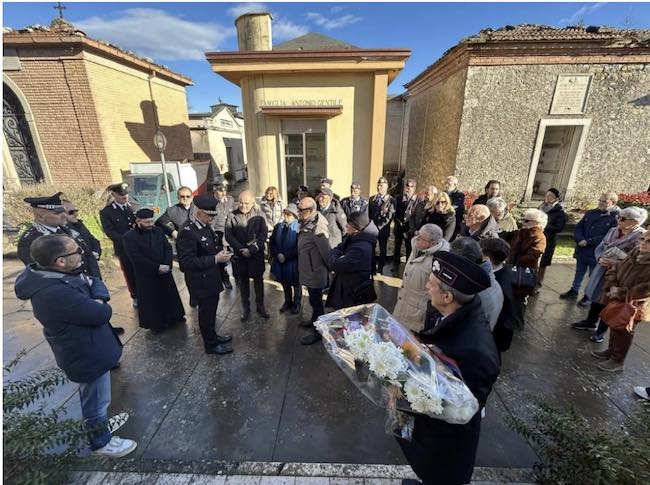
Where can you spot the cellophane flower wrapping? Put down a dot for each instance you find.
(387, 363)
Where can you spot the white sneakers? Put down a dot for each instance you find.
(642, 392)
(116, 448)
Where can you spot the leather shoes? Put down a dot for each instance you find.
(306, 323)
(118, 330)
(311, 338)
(219, 349)
(222, 339)
(285, 307)
(296, 309)
(227, 284)
(245, 314)
(263, 313)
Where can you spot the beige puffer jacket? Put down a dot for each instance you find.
(412, 298)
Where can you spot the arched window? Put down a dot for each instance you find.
(19, 138)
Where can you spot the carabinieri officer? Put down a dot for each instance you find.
(199, 253)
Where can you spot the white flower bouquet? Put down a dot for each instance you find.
(392, 368)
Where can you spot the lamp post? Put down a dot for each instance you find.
(160, 141)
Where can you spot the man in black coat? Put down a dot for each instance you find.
(49, 218)
(457, 201)
(224, 209)
(159, 305)
(89, 243)
(492, 190)
(354, 203)
(199, 254)
(381, 210)
(440, 452)
(404, 205)
(117, 219)
(175, 216)
(246, 233)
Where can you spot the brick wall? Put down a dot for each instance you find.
(122, 98)
(60, 100)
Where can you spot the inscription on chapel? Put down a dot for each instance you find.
(570, 96)
(302, 102)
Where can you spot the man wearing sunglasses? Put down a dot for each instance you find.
(73, 309)
(92, 249)
(175, 216)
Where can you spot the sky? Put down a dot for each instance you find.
(178, 34)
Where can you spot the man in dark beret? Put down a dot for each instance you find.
(49, 218)
(381, 210)
(440, 452)
(117, 218)
(159, 305)
(200, 252)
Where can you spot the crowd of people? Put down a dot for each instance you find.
(468, 273)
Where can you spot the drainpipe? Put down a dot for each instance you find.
(401, 132)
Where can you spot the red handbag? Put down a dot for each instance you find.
(619, 315)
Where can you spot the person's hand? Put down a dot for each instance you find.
(582, 243)
(281, 258)
(223, 256)
(174, 234)
(163, 268)
(605, 262)
(246, 253)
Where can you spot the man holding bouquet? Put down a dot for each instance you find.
(440, 452)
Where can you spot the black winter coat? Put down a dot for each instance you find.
(555, 225)
(90, 245)
(440, 452)
(247, 231)
(458, 202)
(503, 330)
(197, 245)
(351, 262)
(446, 222)
(381, 211)
(76, 326)
(115, 223)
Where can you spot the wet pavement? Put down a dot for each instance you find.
(276, 401)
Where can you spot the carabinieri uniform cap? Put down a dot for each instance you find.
(52, 203)
(206, 203)
(120, 189)
(459, 273)
(355, 185)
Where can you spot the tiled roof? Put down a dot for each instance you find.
(533, 32)
(67, 29)
(313, 42)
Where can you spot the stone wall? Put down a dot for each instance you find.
(122, 98)
(392, 139)
(60, 100)
(434, 122)
(505, 104)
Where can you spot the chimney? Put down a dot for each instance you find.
(254, 31)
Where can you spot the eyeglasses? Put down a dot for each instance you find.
(72, 212)
(185, 196)
(410, 186)
(303, 209)
(440, 202)
(621, 218)
(77, 251)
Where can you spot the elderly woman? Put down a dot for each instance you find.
(283, 247)
(411, 306)
(615, 246)
(627, 280)
(526, 248)
(271, 207)
(556, 222)
(443, 216)
(351, 261)
(499, 210)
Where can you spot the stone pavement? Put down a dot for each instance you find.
(274, 401)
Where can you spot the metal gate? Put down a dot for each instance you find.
(19, 139)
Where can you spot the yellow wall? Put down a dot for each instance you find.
(349, 135)
(123, 103)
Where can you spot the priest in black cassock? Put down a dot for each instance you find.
(159, 305)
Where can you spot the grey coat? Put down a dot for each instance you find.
(336, 222)
(313, 250)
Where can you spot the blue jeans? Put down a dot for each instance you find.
(581, 270)
(316, 302)
(95, 397)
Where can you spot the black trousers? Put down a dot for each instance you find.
(316, 302)
(401, 234)
(292, 293)
(129, 274)
(245, 290)
(223, 271)
(208, 319)
(382, 240)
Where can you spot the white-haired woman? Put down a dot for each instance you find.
(411, 306)
(526, 248)
(499, 210)
(614, 247)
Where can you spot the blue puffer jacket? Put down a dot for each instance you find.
(284, 240)
(75, 325)
(592, 228)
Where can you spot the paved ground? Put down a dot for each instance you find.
(276, 401)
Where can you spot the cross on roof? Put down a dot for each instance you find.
(60, 8)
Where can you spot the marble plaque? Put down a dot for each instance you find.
(570, 96)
